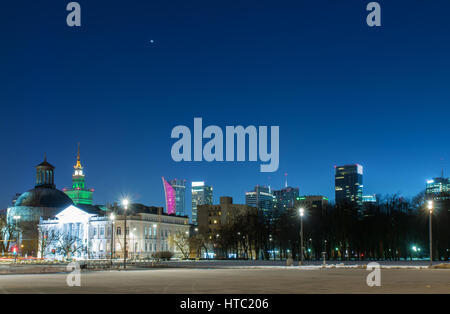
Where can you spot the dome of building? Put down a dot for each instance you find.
(44, 197)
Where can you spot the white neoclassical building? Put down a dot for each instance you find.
(84, 232)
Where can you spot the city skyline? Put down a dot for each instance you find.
(119, 84)
(216, 197)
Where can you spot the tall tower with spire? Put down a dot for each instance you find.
(79, 193)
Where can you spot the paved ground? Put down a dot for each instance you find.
(233, 281)
(234, 263)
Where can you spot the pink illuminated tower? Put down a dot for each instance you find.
(170, 197)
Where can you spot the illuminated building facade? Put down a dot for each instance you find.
(369, 199)
(312, 202)
(169, 192)
(349, 184)
(285, 198)
(83, 231)
(262, 198)
(79, 193)
(438, 188)
(175, 194)
(44, 201)
(201, 195)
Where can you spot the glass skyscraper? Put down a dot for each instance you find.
(438, 188)
(175, 192)
(349, 184)
(262, 198)
(285, 198)
(201, 195)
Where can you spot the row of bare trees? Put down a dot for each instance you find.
(391, 229)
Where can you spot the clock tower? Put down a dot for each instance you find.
(79, 193)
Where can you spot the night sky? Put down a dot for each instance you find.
(341, 92)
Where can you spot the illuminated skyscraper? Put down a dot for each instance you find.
(349, 184)
(79, 193)
(201, 195)
(175, 192)
(438, 188)
(285, 198)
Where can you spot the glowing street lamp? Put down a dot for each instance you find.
(430, 208)
(125, 207)
(302, 213)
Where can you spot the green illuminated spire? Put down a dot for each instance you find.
(79, 194)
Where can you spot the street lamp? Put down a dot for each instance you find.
(430, 208)
(112, 217)
(16, 218)
(125, 207)
(302, 213)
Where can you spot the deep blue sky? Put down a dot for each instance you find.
(340, 91)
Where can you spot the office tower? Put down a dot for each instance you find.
(349, 184)
(201, 195)
(262, 198)
(438, 188)
(369, 199)
(285, 198)
(175, 194)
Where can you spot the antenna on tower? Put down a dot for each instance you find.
(286, 183)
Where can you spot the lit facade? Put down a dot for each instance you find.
(438, 188)
(369, 199)
(262, 198)
(169, 193)
(312, 202)
(91, 234)
(79, 193)
(349, 184)
(201, 195)
(175, 195)
(285, 198)
(43, 201)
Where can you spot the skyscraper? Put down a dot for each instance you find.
(201, 195)
(285, 198)
(79, 193)
(438, 188)
(349, 184)
(262, 198)
(175, 193)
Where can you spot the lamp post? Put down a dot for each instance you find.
(16, 218)
(302, 212)
(112, 238)
(430, 208)
(125, 207)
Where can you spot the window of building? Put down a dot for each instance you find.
(119, 231)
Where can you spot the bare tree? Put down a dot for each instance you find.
(68, 244)
(7, 232)
(181, 241)
(46, 240)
